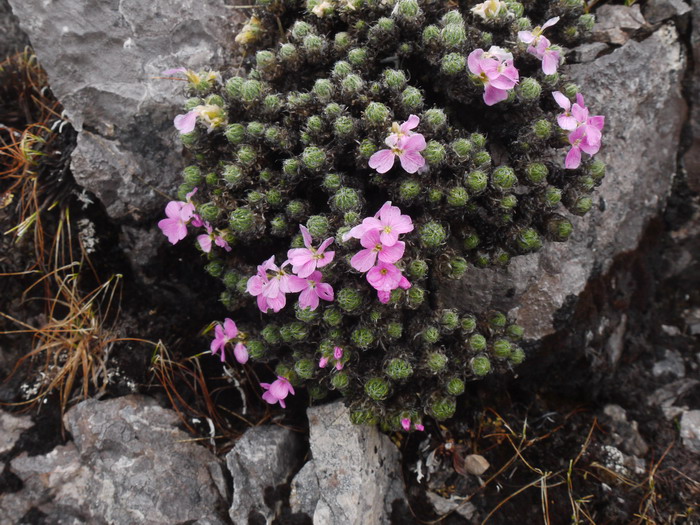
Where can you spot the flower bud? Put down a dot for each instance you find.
(351, 218)
(528, 240)
(455, 386)
(363, 338)
(431, 33)
(341, 69)
(586, 22)
(192, 103)
(318, 226)
(323, 89)
(434, 153)
(570, 90)
(341, 41)
(296, 209)
(457, 267)
(305, 315)
(344, 127)
(552, 197)
(314, 124)
(377, 388)
(409, 190)
(256, 349)
(536, 172)
(504, 178)
(407, 9)
(288, 53)
(452, 17)
(346, 199)
(449, 321)
(467, 324)
(208, 211)
(482, 159)
(255, 129)
(234, 133)
(418, 269)
(412, 99)
(192, 175)
(246, 156)
(453, 64)
(442, 408)
(367, 148)
(251, 90)
(394, 330)
(457, 197)
(597, 170)
(233, 87)
(501, 348)
(581, 205)
(476, 181)
(340, 381)
(271, 334)
(497, 320)
(430, 335)
(517, 356)
(349, 299)
(394, 79)
(471, 241)
(559, 228)
(265, 60)
(416, 296)
(436, 362)
(212, 179)
(332, 316)
(300, 30)
(230, 280)
(305, 368)
(435, 196)
(432, 235)
(529, 89)
(242, 220)
(453, 36)
(363, 417)
(377, 113)
(462, 148)
(542, 129)
(358, 57)
(313, 158)
(480, 365)
(398, 369)
(332, 182)
(515, 332)
(215, 268)
(477, 343)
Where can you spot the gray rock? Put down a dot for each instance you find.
(444, 506)
(304, 493)
(657, 11)
(262, 459)
(357, 468)
(588, 52)
(633, 86)
(103, 60)
(692, 156)
(666, 396)
(616, 24)
(623, 464)
(623, 433)
(128, 464)
(12, 38)
(672, 364)
(690, 430)
(11, 427)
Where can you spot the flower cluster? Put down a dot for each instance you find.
(585, 131)
(293, 158)
(379, 236)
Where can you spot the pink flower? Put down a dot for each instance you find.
(405, 145)
(404, 129)
(406, 424)
(587, 138)
(541, 47)
(419, 427)
(314, 290)
(322, 362)
(495, 69)
(384, 277)
(222, 336)
(178, 216)
(205, 240)
(212, 116)
(306, 260)
(388, 222)
(572, 116)
(277, 391)
(186, 122)
(337, 353)
(363, 260)
(271, 290)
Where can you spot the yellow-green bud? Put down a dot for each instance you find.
(597, 170)
(341, 41)
(398, 369)
(233, 87)
(332, 316)
(256, 349)
(394, 79)
(517, 356)
(434, 153)
(458, 267)
(358, 56)
(341, 69)
(377, 388)
(515, 332)
(271, 334)
(296, 209)
(340, 381)
(343, 126)
(242, 220)
(300, 29)
(432, 235)
(412, 98)
(318, 226)
(367, 148)
(529, 89)
(265, 60)
(332, 182)
(346, 199)
(288, 53)
(552, 197)
(542, 129)
(215, 268)
(471, 241)
(581, 206)
(251, 90)
(235, 133)
(394, 330)
(477, 343)
(467, 324)
(313, 158)
(457, 197)
(455, 386)
(349, 299)
(323, 89)
(430, 34)
(377, 113)
(453, 35)
(304, 368)
(482, 158)
(497, 320)
(453, 64)
(418, 269)
(559, 228)
(501, 348)
(363, 338)
(409, 190)
(442, 408)
(462, 147)
(481, 365)
(476, 181)
(431, 335)
(247, 156)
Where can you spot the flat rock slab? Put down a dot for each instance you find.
(128, 464)
(638, 89)
(103, 59)
(264, 458)
(355, 475)
(11, 428)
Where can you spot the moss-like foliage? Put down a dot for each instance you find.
(287, 142)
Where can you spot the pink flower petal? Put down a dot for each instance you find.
(573, 159)
(308, 299)
(550, 22)
(410, 124)
(306, 236)
(325, 291)
(411, 161)
(204, 241)
(550, 62)
(526, 36)
(363, 260)
(562, 100)
(391, 254)
(406, 424)
(494, 96)
(230, 328)
(186, 123)
(240, 352)
(382, 160)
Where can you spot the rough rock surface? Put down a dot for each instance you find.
(637, 84)
(128, 464)
(616, 24)
(690, 430)
(11, 428)
(12, 38)
(357, 470)
(656, 11)
(103, 59)
(692, 156)
(262, 459)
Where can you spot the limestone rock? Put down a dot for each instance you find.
(692, 156)
(103, 60)
(690, 430)
(11, 427)
(128, 464)
(616, 24)
(358, 471)
(657, 11)
(12, 38)
(637, 84)
(264, 458)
